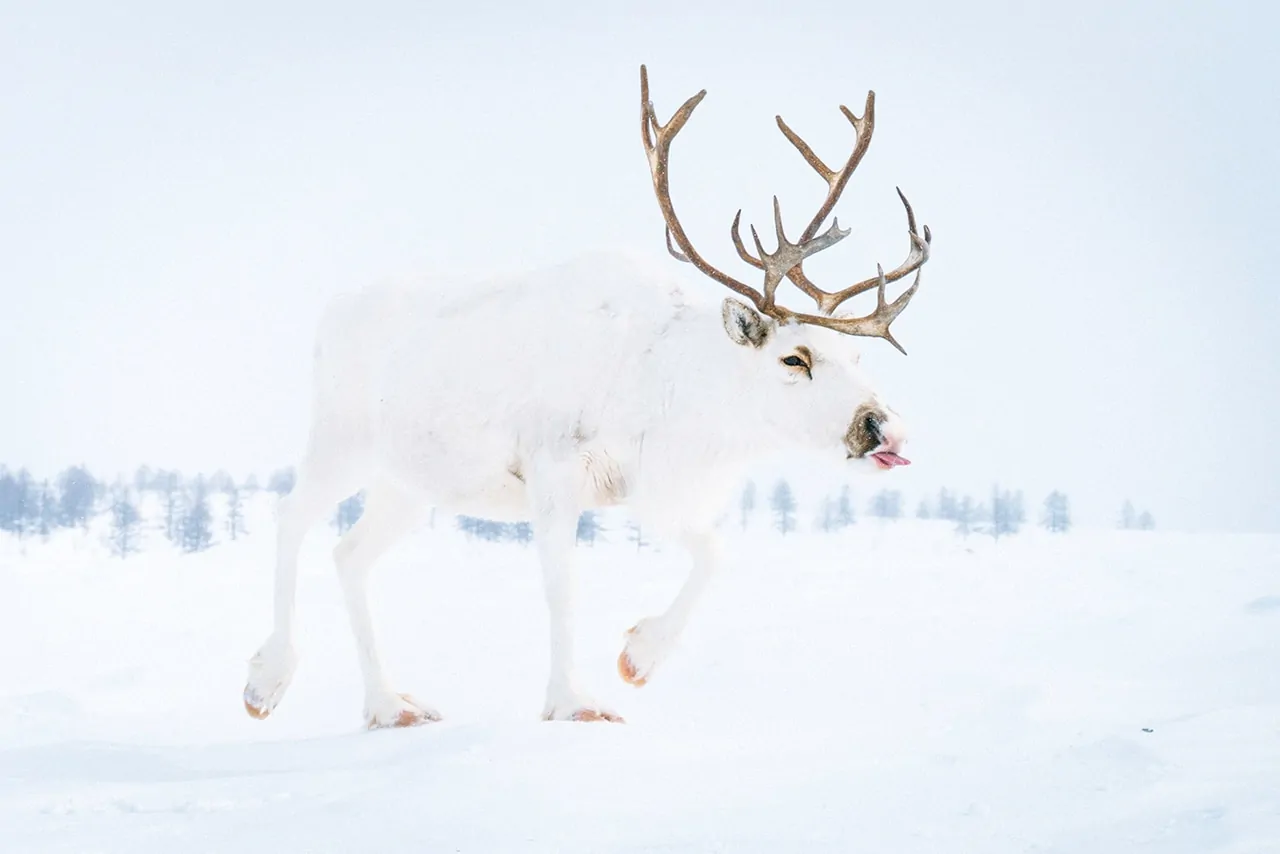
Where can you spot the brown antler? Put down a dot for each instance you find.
(788, 259)
(657, 145)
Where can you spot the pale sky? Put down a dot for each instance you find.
(182, 187)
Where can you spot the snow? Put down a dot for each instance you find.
(889, 688)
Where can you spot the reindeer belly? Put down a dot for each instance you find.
(468, 471)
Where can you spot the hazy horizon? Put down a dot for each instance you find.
(181, 190)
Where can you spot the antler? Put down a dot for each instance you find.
(787, 260)
(657, 146)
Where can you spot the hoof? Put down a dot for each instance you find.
(403, 711)
(270, 671)
(589, 716)
(647, 644)
(627, 670)
(254, 709)
(572, 706)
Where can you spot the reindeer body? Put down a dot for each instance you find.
(449, 396)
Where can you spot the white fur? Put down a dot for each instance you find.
(536, 397)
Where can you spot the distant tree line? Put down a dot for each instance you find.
(589, 529)
(183, 514)
(1003, 513)
(30, 508)
(75, 497)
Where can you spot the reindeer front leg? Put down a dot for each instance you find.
(651, 640)
(555, 490)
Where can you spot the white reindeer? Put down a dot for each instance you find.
(581, 386)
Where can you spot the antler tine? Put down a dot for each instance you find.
(864, 127)
(789, 256)
(657, 139)
(875, 324)
(834, 234)
(916, 257)
(805, 151)
(736, 234)
(676, 253)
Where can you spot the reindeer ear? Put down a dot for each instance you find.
(743, 324)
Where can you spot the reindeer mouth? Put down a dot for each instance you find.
(888, 459)
(866, 439)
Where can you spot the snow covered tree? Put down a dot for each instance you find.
(15, 497)
(220, 481)
(844, 508)
(923, 511)
(17, 502)
(1056, 516)
(1131, 519)
(235, 513)
(77, 495)
(784, 507)
(748, 502)
(1006, 512)
(588, 527)
(469, 525)
(348, 512)
(520, 532)
(965, 514)
(171, 492)
(197, 521)
(836, 513)
(827, 515)
(281, 481)
(47, 509)
(887, 504)
(947, 505)
(125, 523)
(32, 521)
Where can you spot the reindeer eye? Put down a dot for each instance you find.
(794, 361)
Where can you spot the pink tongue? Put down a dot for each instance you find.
(889, 458)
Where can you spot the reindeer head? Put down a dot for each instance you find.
(816, 392)
(812, 351)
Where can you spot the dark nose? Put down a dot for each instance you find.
(866, 432)
(871, 425)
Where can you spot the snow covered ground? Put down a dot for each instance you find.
(891, 688)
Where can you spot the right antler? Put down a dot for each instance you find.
(788, 259)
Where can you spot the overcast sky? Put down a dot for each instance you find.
(182, 186)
